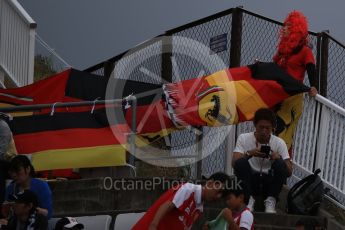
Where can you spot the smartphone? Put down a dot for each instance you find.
(266, 149)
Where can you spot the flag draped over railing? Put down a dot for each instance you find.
(82, 136)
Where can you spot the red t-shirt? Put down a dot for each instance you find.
(187, 200)
(244, 219)
(296, 63)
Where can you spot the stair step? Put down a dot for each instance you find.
(271, 227)
(282, 219)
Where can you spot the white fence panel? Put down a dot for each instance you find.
(17, 42)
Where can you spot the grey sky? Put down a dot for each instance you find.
(86, 32)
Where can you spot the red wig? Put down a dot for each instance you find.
(293, 34)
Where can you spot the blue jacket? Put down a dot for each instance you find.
(42, 191)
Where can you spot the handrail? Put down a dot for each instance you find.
(20, 10)
(270, 19)
(22, 108)
(330, 104)
(335, 40)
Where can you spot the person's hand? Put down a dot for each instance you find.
(227, 214)
(205, 226)
(275, 156)
(3, 222)
(42, 211)
(312, 92)
(256, 153)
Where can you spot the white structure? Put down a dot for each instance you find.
(17, 44)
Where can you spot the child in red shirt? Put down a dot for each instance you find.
(236, 216)
(180, 207)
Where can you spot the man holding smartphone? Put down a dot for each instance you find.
(261, 160)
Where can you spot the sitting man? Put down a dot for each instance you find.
(261, 160)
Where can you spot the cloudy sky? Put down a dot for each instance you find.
(86, 32)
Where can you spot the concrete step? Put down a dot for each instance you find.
(271, 227)
(285, 220)
(261, 219)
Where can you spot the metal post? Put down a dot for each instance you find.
(2, 79)
(132, 147)
(322, 138)
(199, 136)
(236, 37)
(324, 63)
(166, 58)
(108, 68)
(230, 145)
(318, 60)
(31, 58)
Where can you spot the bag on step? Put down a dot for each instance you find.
(305, 197)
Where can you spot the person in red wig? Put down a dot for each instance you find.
(295, 56)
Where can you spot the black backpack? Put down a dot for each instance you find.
(305, 197)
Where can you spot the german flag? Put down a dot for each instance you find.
(70, 140)
(70, 137)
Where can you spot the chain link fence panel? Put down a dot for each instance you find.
(336, 70)
(144, 64)
(99, 72)
(259, 39)
(186, 66)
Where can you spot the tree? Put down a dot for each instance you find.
(43, 67)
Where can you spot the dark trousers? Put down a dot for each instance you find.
(262, 184)
(3, 177)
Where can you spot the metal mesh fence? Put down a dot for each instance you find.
(195, 60)
(215, 149)
(185, 64)
(336, 70)
(259, 39)
(144, 64)
(99, 71)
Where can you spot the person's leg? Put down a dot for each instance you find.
(273, 183)
(276, 178)
(288, 114)
(243, 172)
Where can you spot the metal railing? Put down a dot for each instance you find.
(17, 43)
(319, 144)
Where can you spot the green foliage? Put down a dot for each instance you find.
(43, 67)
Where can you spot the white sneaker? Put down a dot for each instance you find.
(270, 205)
(251, 204)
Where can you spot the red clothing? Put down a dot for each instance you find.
(187, 200)
(296, 63)
(247, 221)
